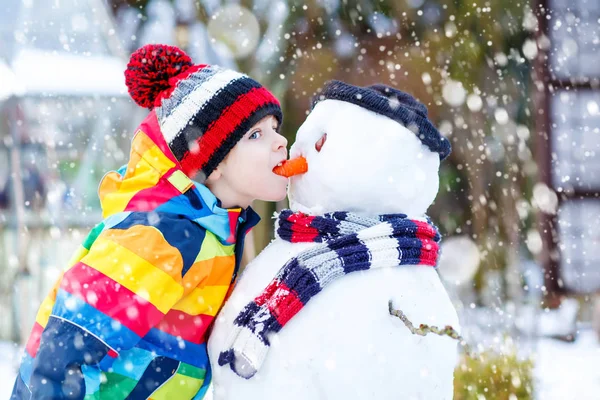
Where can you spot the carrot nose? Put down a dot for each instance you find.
(292, 167)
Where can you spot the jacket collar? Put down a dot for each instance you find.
(153, 180)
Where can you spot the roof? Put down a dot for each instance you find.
(65, 48)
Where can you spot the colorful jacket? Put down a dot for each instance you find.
(129, 317)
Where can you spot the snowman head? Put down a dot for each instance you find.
(369, 150)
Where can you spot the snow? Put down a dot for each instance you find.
(454, 93)
(66, 74)
(530, 49)
(562, 370)
(459, 259)
(8, 84)
(9, 361)
(557, 322)
(474, 102)
(568, 370)
(244, 39)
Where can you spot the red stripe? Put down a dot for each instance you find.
(189, 327)
(111, 298)
(233, 220)
(151, 128)
(33, 343)
(429, 252)
(429, 248)
(301, 237)
(267, 293)
(424, 230)
(284, 304)
(302, 231)
(301, 218)
(227, 123)
(151, 198)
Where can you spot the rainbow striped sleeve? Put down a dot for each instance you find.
(122, 282)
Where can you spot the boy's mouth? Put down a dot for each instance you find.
(291, 167)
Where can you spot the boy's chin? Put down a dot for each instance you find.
(279, 198)
(275, 197)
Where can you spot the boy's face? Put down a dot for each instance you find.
(246, 174)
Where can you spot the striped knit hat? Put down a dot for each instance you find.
(203, 110)
(392, 103)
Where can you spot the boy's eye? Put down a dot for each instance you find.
(254, 135)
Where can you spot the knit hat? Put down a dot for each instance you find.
(392, 103)
(202, 110)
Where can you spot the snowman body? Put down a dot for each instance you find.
(344, 344)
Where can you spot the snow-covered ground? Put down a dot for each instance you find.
(566, 371)
(563, 371)
(9, 360)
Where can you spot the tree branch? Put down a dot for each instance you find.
(424, 329)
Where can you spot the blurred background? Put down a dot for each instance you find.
(514, 84)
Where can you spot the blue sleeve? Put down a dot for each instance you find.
(64, 347)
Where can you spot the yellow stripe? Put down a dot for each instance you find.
(111, 198)
(180, 387)
(156, 158)
(211, 247)
(135, 273)
(206, 300)
(180, 181)
(45, 310)
(77, 256)
(148, 243)
(146, 165)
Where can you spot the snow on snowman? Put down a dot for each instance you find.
(311, 316)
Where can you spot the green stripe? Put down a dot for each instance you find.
(211, 247)
(91, 237)
(116, 386)
(191, 371)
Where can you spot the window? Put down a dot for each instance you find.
(579, 232)
(573, 125)
(576, 140)
(575, 36)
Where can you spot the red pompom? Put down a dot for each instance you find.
(149, 70)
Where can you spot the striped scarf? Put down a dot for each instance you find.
(347, 243)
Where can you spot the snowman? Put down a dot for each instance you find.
(311, 316)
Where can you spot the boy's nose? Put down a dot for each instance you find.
(280, 142)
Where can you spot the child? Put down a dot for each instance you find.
(129, 317)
